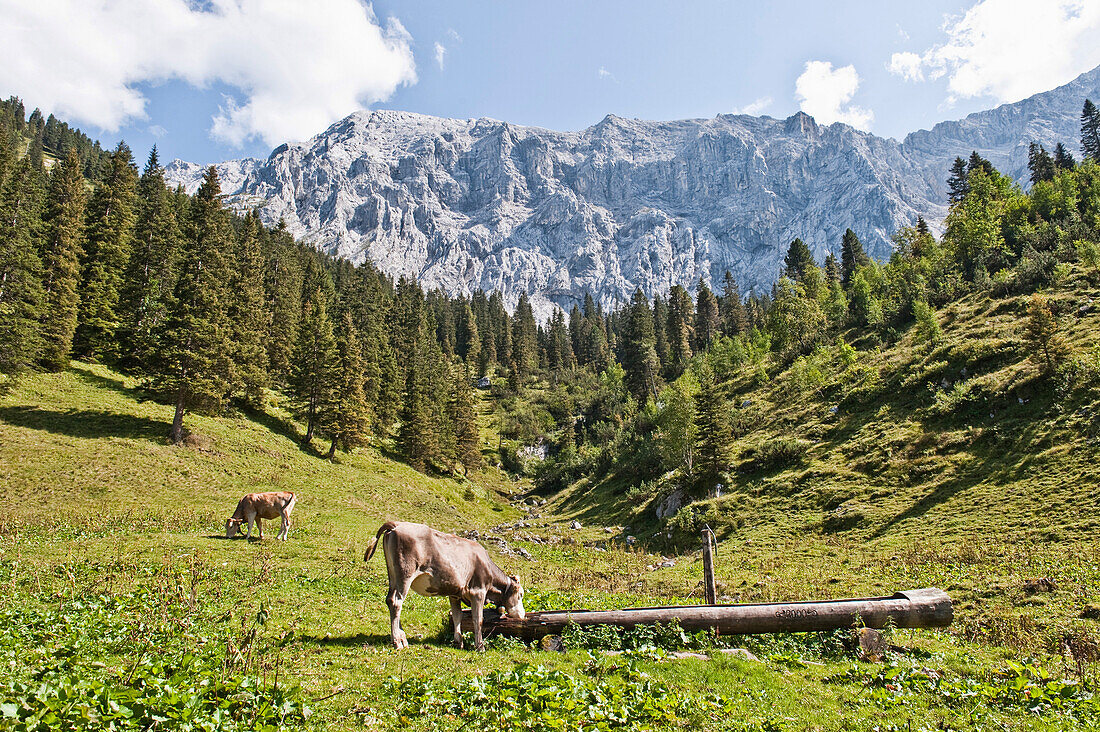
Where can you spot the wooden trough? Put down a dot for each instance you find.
(924, 608)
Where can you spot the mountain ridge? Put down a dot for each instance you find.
(487, 204)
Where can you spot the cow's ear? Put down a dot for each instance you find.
(514, 578)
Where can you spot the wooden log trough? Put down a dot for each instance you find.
(924, 608)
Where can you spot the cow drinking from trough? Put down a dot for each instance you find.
(433, 563)
(257, 506)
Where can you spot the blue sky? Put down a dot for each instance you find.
(232, 78)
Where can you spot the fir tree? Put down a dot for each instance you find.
(150, 274)
(283, 288)
(957, 184)
(417, 435)
(468, 337)
(977, 162)
(852, 256)
(249, 319)
(1039, 163)
(1090, 131)
(660, 330)
(639, 349)
(681, 316)
(314, 369)
(833, 272)
(799, 258)
(714, 452)
(343, 413)
(708, 324)
(62, 249)
(21, 296)
(111, 218)
(464, 418)
(1063, 158)
(524, 336)
(734, 318)
(191, 366)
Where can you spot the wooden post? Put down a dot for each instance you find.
(709, 589)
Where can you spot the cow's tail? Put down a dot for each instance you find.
(291, 502)
(383, 529)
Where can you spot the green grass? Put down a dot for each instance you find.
(94, 503)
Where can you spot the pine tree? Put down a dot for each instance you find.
(192, 366)
(343, 415)
(799, 258)
(1090, 131)
(1039, 163)
(314, 368)
(524, 337)
(708, 324)
(734, 318)
(957, 184)
(977, 162)
(110, 229)
(62, 249)
(639, 349)
(1063, 158)
(417, 434)
(468, 337)
(660, 331)
(714, 452)
(283, 288)
(464, 418)
(1042, 335)
(833, 272)
(852, 256)
(21, 296)
(681, 316)
(150, 274)
(249, 319)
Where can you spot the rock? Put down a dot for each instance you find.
(551, 643)
(668, 563)
(1042, 584)
(575, 525)
(525, 554)
(673, 503)
(869, 644)
(1091, 611)
(742, 653)
(482, 204)
(608, 530)
(631, 540)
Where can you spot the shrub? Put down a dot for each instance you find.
(773, 455)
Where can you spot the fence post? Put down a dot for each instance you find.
(710, 592)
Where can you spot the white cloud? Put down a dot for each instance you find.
(453, 35)
(605, 74)
(297, 67)
(440, 52)
(824, 93)
(157, 131)
(755, 107)
(1009, 49)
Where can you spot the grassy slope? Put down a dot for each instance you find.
(90, 496)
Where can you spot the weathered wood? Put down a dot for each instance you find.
(925, 608)
(710, 591)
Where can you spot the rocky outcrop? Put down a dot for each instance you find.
(482, 204)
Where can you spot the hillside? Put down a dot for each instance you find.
(97, 505)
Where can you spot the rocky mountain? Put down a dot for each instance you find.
(469, 204)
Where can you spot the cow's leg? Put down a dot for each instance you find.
(260, 527)
(477, 604)
(248, 537)
(394, 600)
(286, 526)
(456, 619)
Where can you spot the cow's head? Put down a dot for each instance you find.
(512, 601)
(231, 526)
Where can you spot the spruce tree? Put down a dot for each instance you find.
(343, 413)
(708, 323)
(524, 336)
(799, 258)
(852, 256)
(957, 184)
(977, 162)
(62, 249)
(283, 288)
(1039, 163)
(468, 337)
(639, 349)
(660, 331)
(1063, 158)
(150, 274)
(833, 272)
(463, 416)
(681, 316)
(314, 368)
(417, 433)
(192, 363)
(1042, 335)
(734, 318)
(110, 228)
(714, 451)
(21, 296)
(249, 318)
(1090, 131)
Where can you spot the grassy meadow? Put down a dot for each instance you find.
(123, 601)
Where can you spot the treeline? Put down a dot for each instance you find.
(214, 310)
(665, 404)
(40, 136)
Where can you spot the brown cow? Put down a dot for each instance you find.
(256, 506)
(433, 563)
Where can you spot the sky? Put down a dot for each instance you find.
(210, 80)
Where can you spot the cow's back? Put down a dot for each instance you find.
(455, 563)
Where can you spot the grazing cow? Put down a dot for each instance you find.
(433, 563)
(256, 506)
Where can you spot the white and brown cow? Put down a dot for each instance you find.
(257, 506)
(433, 563)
